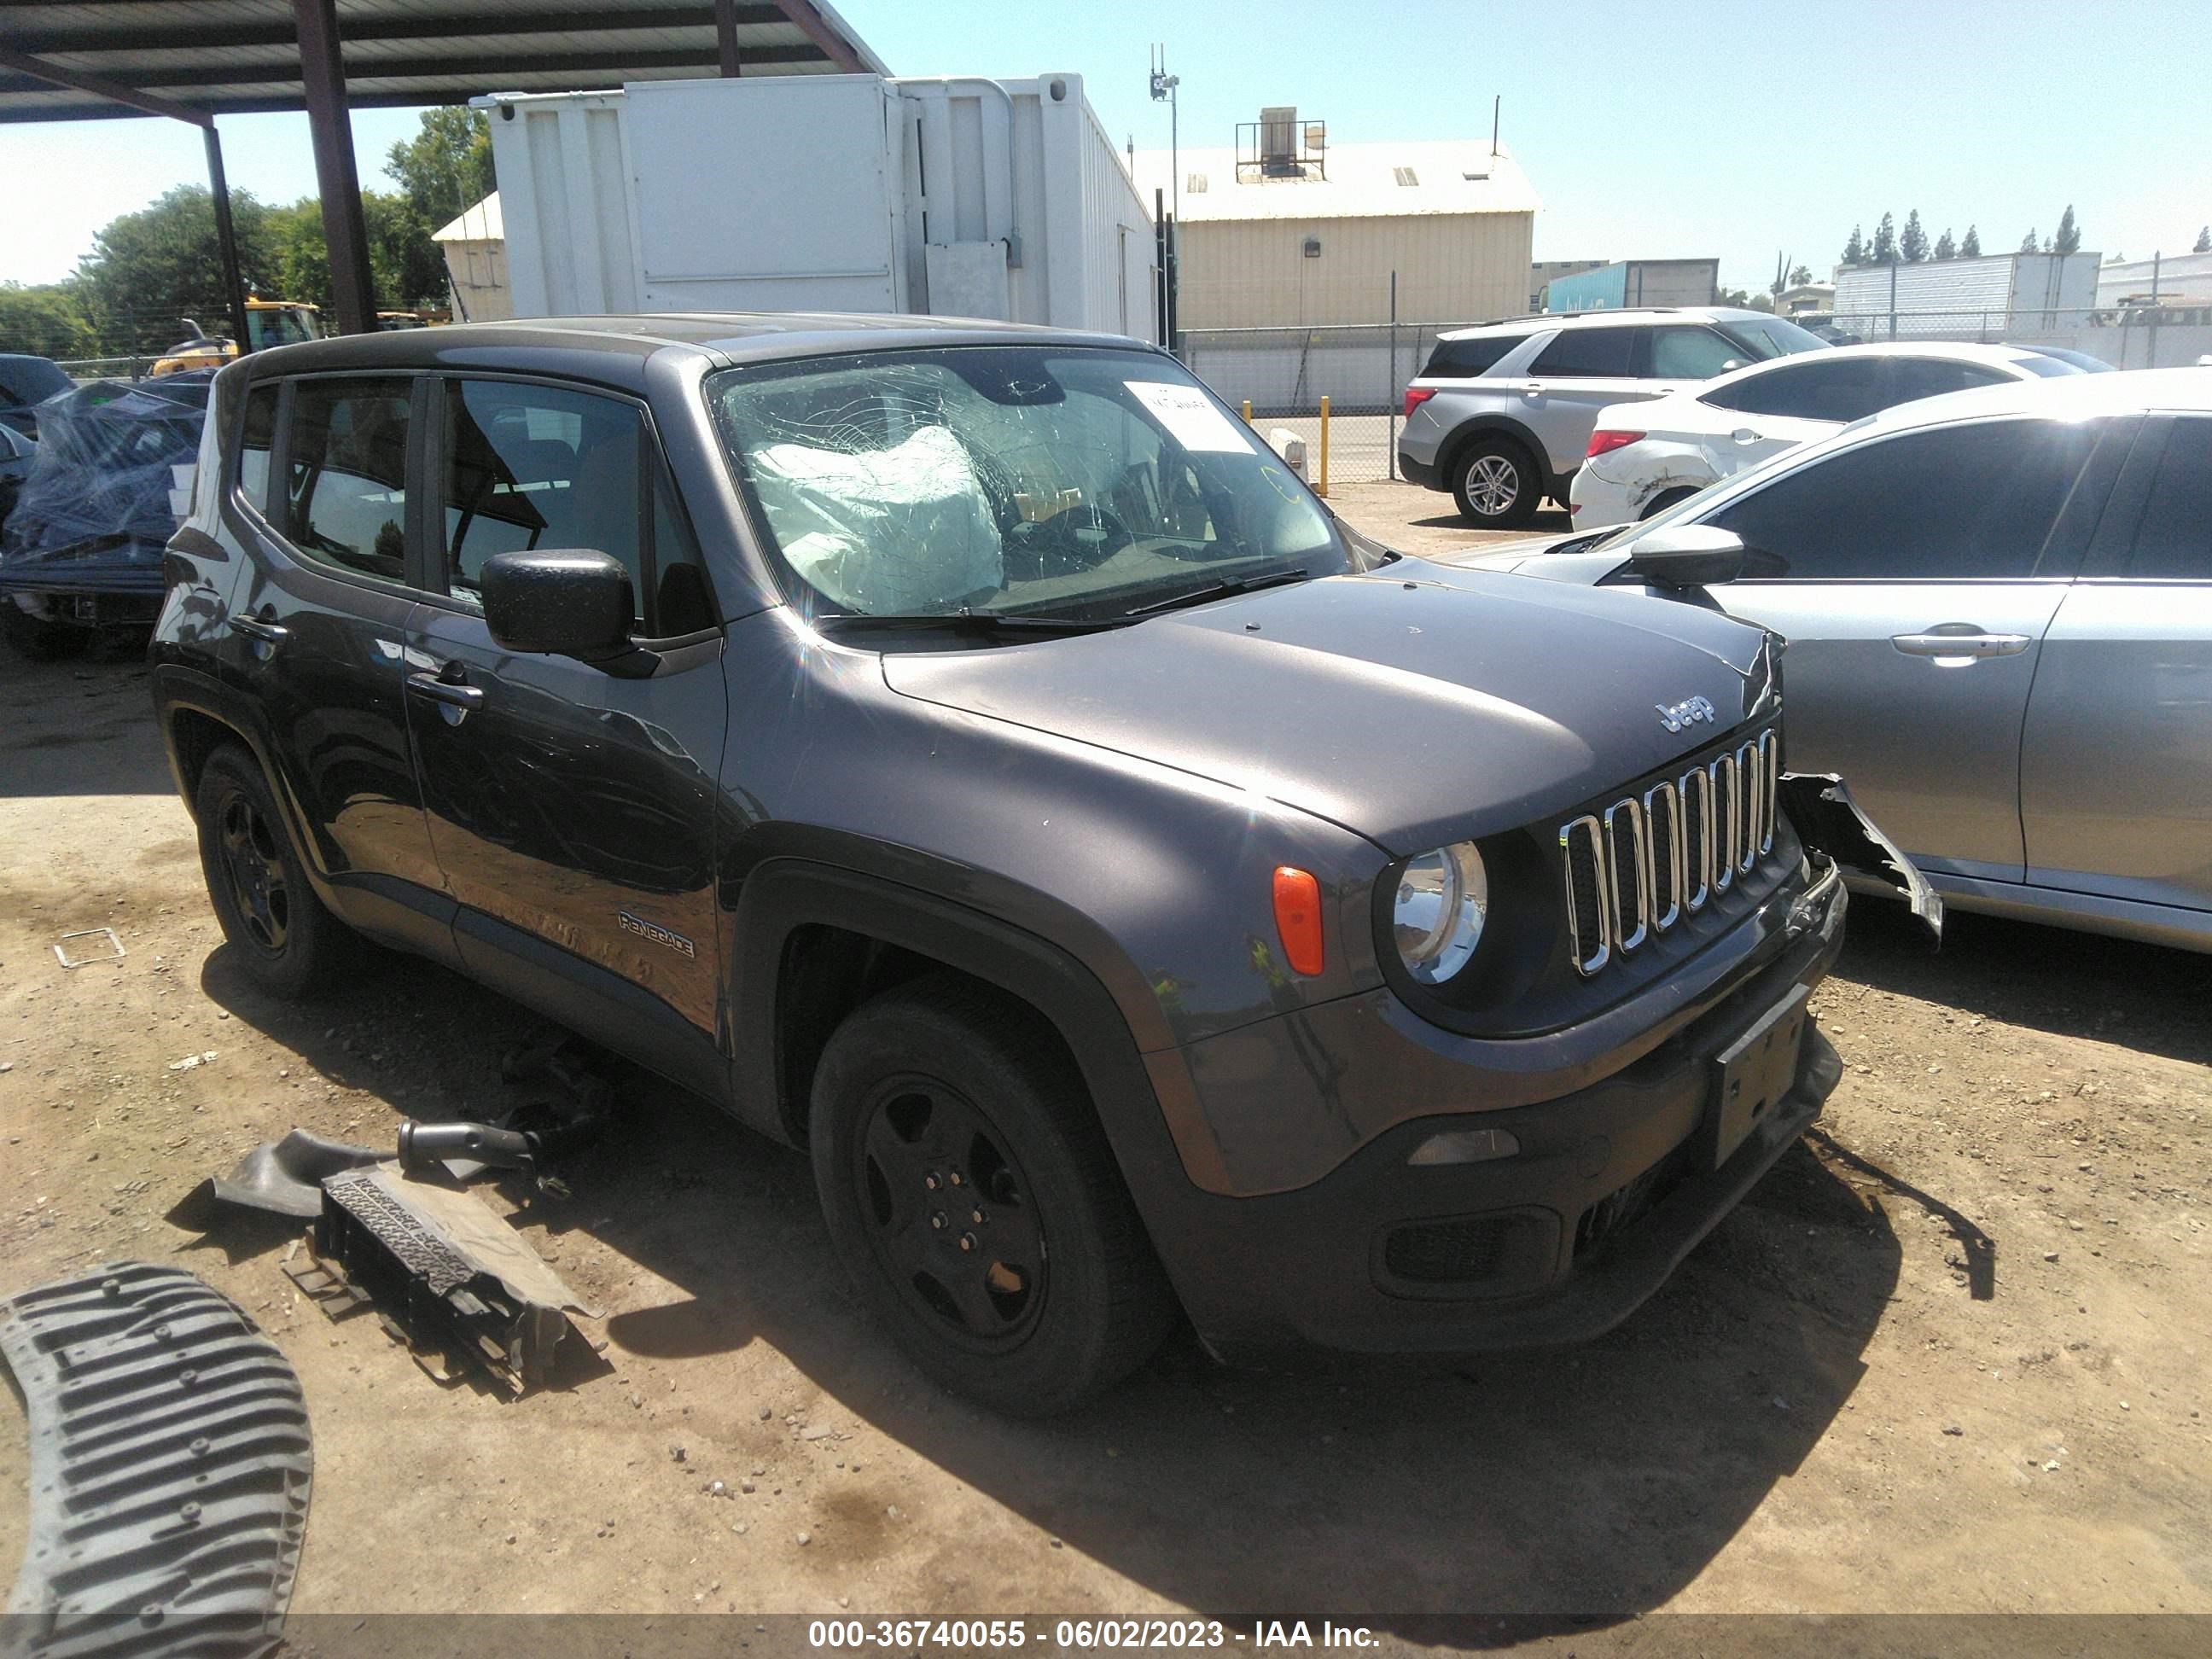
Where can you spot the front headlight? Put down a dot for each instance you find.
(1437, 918)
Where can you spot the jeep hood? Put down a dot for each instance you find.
(1414, 704)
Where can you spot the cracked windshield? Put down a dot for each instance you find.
(992, 481)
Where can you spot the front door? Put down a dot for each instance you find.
(318, 633)
(570, 805)
(2116, 762)
(1923, 570)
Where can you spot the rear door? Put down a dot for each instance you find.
(318, 628)
(1924, 569)
(1792, 403)
(1568, 381)
(2117, 764)
(570, 804)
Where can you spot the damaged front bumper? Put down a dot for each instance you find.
(1829, 821)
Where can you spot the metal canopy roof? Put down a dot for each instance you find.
(221, 57)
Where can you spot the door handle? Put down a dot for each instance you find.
(1532, 388)
(1744, 434)
(1961, 645)
(253, 628)
(454, 694)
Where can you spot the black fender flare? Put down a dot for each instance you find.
(787, 891)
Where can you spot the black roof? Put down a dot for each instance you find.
(613, 350)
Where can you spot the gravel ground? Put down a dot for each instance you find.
(1950, 1356)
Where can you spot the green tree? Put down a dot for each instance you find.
(1971, 247)
(1945, 247)
(1913, 243)
(1854, 252)
(446, 167)
(404, 265)
(1800, 275)
(2028, 243)
(2069, 239)
(2203, 242)
(44, 321)
(149, 270)
(1885, 241)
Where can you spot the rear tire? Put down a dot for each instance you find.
(936, 1104)
(1497, 485)
(287, 943)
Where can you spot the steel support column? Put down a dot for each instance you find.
(725, 38)
(353, 291)
(225, 236)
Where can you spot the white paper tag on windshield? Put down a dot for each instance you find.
(1190, 417)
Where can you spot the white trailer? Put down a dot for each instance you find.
(2000, 284)
(959, 197)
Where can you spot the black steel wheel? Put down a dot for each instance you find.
(971, 1195)
(286, 941)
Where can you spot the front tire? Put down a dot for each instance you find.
(288, 944)
(971, 1195)
(1496, 484)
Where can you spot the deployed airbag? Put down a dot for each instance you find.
(900, 531)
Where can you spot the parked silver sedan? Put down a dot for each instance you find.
(1999, 610)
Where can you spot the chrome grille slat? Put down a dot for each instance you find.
(1640, 866)
(1628, 872)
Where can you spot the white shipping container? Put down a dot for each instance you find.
(957, 196)
(2002, 283)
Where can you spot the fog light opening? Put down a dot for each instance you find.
(1467, 1146)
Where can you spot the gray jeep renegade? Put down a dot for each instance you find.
(967, 753)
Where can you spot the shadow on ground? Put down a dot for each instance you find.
(2146, 997)
(80, 726)
(1602, 1479)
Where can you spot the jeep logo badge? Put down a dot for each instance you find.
(1680, 714)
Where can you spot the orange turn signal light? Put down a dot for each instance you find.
(1298, 918)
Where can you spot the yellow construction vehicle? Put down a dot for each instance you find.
(268, 322)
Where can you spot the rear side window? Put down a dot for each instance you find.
(1693, 354)
(1839, 389)
(1593, 351)
(345, 491)
(1931, 377)
(254, 443)
(1956, 504)
(1463, 359)
(2173, 539)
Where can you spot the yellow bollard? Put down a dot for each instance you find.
(1247, 412)
(1322, 487)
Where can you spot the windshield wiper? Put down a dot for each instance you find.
(976, 621)
(1220, 590)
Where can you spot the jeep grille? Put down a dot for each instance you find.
(1636, 867)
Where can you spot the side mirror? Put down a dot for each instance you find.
(1688, 556)
(564, 603)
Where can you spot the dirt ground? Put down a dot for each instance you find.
(1952, 1354)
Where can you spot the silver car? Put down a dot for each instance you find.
(1999, 610)
(1501, 414)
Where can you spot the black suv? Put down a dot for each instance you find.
(964, 751)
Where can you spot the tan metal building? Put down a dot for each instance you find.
(1308, 234)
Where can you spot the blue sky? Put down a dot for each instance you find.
(1651, 130)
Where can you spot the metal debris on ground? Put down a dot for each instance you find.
(170, 1466)
(456, 1285)
(114, 953)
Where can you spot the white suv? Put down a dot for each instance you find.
(1502, 413)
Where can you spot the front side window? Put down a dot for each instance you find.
(1005, 480)
(1954, 504)
(1931, 377)
(1839, 389)
(1588, 351)
(2173, 537)
(345, 494)
(1693, 354)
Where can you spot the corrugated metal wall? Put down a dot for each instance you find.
(1254, 273)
